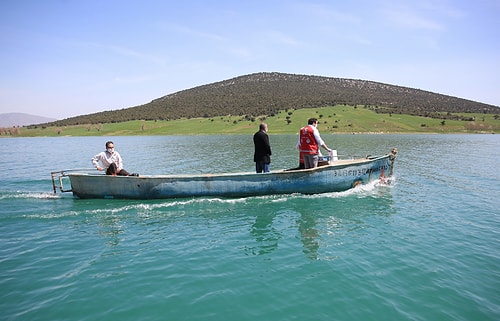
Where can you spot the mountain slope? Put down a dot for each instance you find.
(266, 93)
(21, 119)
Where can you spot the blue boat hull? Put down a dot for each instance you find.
(338, 176)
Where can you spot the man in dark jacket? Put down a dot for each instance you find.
(262, 154)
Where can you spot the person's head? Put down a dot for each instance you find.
(110, 147)
(263, 127)
(312, 121)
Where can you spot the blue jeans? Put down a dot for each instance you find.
(262, 167)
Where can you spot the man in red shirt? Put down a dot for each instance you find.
(309, 143)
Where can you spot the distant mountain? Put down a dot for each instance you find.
(21, 119)
(266, 93)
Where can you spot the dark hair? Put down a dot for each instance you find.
(109, 142)
(312, 121)
(263, 126)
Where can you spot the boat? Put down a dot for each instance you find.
(331, 176)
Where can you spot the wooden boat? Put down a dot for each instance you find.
(332, 176)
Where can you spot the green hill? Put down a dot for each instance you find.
(265, 94)
(332, 119)
(285, 102)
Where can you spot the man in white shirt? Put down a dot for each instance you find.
(110, 160)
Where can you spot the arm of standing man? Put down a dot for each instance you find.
(319, 140)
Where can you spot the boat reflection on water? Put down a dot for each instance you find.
(323, 222)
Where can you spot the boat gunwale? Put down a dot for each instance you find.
(339, 164)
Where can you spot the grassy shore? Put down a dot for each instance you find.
(337, 119)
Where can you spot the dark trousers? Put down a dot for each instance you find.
(261, 167)
(123, 173)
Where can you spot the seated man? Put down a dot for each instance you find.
(111, 161)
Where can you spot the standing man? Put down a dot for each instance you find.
(309, 143)
(262, 154)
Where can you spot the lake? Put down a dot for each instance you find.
(424, 248)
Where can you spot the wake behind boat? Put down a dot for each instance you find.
(333, 176)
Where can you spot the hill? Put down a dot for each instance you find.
(21, 119)
(264, 94)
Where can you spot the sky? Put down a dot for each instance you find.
(65, 58)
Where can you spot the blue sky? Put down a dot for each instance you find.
(69, 57)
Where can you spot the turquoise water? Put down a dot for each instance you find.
(424, 248)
